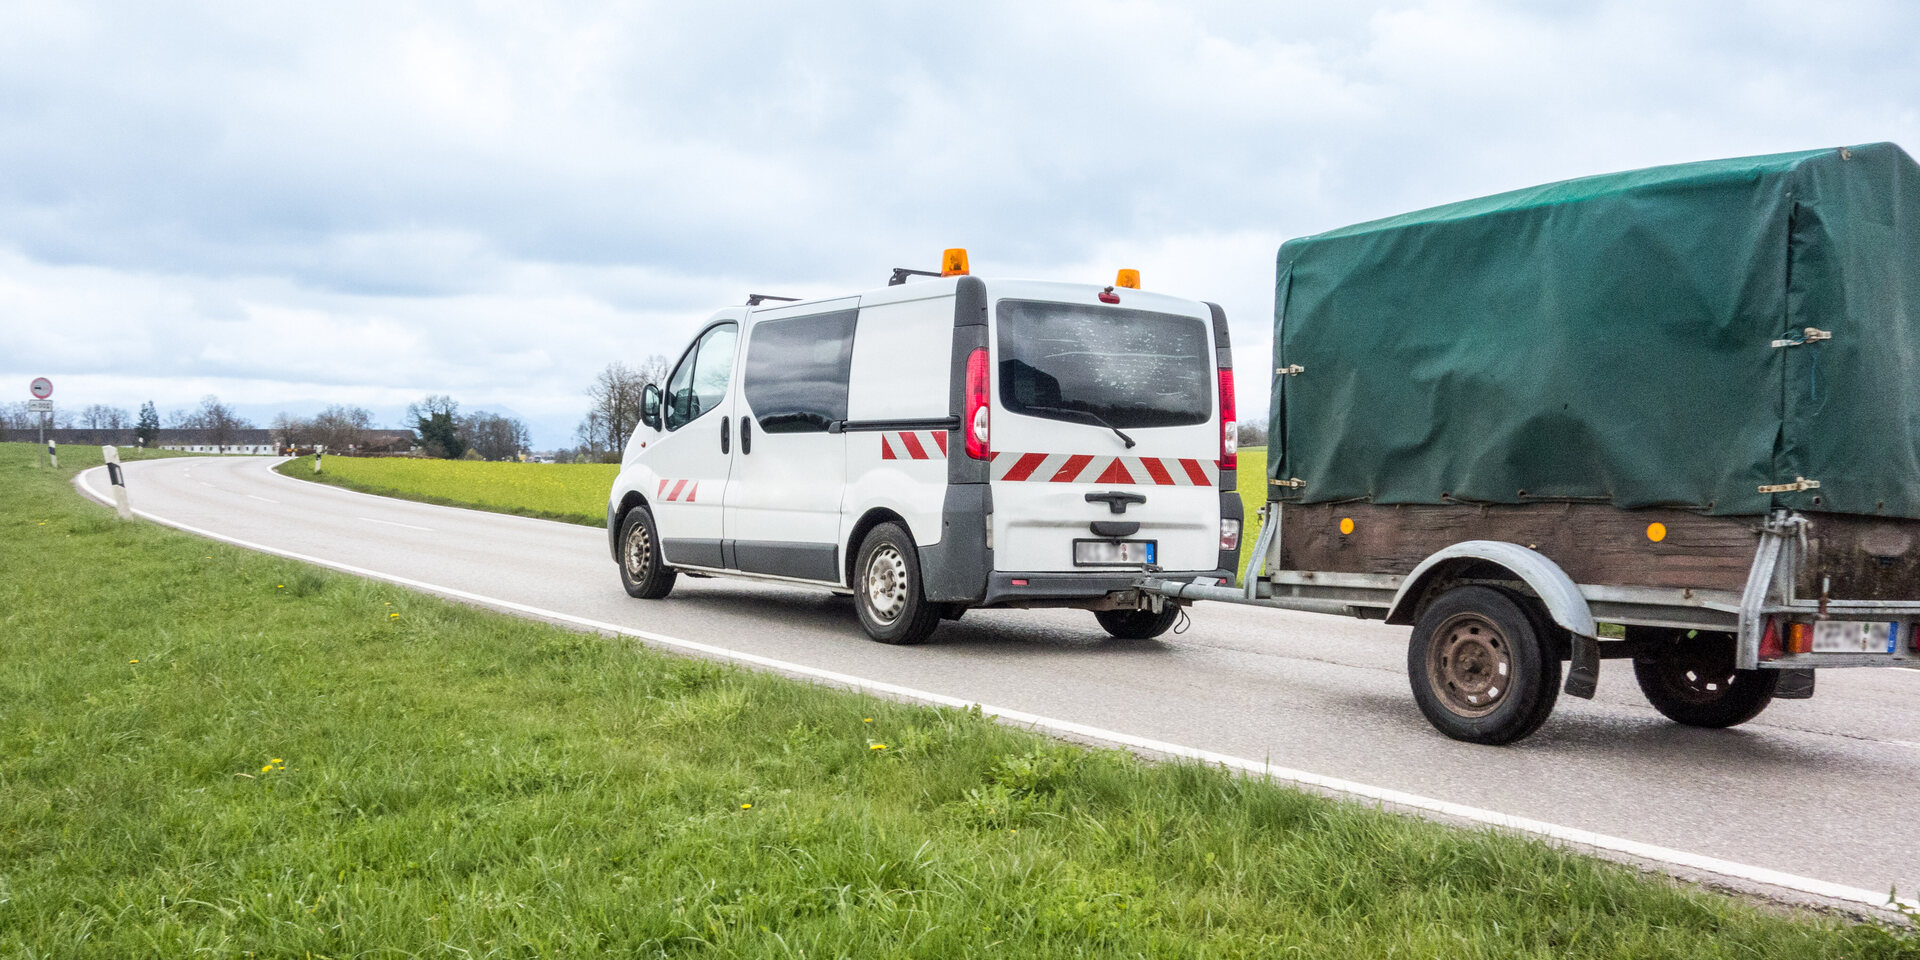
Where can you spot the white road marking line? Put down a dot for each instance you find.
(258, 497)
(1569, 835)
(396, 523)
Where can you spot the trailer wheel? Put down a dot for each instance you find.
(642, 571)
(1137, 624)
(1692, 680)
(1481, 672)
(886, 588)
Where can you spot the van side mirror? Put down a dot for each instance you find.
(650, 405)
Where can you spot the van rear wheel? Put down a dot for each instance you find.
(1138, 624)
(886, 588)
(1692, 680)
(642, 571)
(1480, 669)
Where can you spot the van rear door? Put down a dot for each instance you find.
(1074, 380)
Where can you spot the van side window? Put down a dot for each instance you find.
(699, 383)
(797, 371)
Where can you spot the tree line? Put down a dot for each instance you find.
(613, 409)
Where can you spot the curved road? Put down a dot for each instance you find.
(1825, 791)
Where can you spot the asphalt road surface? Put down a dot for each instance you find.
(1826, 789)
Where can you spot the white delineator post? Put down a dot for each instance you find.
(317, 450)
(52, 455)
(118, 478)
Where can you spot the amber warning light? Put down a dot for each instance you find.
(953, 263)
(1129, 279)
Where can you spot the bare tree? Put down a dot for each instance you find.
(613, 409)
(494, 437)
(14, 416)
(342, 427)
(102, 417)
(221, 424)
(291, 431)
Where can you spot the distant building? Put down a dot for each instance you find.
(255, 441)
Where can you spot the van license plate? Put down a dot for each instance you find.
(1855, 636)
(1112, 553)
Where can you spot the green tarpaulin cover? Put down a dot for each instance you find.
(1612, 339)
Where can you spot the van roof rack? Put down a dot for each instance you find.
(756, 299)
(900, 275)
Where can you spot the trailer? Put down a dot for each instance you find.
(1670, 416)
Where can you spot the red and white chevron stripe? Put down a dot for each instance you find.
(682, 491)
(913, 445)
(1088, 468)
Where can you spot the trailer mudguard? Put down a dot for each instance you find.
(1551, 584)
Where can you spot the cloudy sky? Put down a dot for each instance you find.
(295, 204)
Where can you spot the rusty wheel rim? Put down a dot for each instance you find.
(1470, 665)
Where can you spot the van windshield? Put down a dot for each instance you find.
(1127, 368)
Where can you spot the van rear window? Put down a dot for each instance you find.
(1130, 368)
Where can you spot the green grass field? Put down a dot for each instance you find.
(206, 751)
(573, 492)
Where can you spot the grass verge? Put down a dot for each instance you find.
(570, 492)
(207, 750)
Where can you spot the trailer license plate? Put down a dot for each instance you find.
(1854, 636)
(1112, 553)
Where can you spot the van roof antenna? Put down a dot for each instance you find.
(900, 275)
(756, 299)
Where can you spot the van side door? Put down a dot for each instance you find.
(692, 460)
(783, 497)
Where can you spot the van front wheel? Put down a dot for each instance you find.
(886, 588)
(641, 570)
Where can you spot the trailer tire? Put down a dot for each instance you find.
(887, 591)
(642, 570)
(1138, 624)
(1480, 669)
(1692, 680)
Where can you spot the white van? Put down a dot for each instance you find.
(943, 444)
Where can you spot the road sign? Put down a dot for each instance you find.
(42, 388)
(39, 406)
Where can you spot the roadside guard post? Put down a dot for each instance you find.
(53, 454)
(111, 454)
(317, 451)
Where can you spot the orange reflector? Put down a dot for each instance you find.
(1800, 638)
(1656, 532)
(953, 263)
(1129, 279)
(1346, 525)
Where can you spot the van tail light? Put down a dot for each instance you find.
(1229, 423)
(974, 426)
(1771, 647)
(1229, 533)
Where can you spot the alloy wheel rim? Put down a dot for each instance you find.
(1470, 665)
(886, 584)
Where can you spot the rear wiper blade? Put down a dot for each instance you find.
(1092, 418)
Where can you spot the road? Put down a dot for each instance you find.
(1825, 791)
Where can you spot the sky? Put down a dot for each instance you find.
(295, 205)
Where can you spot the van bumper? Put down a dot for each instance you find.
(1058, 589)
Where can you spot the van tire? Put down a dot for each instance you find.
(887, 589)
(643, 571)
(1692, 680)
(1468, 641)
(1138, 624)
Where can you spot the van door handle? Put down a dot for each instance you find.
(726, 439)
(746, 435)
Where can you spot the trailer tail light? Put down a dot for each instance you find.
(1229, 423)
(1799, 638)
(1229, 533)
(974, 427)
(1770, 646)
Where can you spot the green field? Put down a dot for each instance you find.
(206, 751)
(573, 492)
